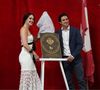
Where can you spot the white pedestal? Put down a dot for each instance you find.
(43, 65)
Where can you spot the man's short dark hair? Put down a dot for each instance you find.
(61, 15)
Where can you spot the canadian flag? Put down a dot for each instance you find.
(88, 58)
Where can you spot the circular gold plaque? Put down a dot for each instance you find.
(50, 43)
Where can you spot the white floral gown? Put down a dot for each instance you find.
(29, 79)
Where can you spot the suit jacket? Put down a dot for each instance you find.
(75, 43)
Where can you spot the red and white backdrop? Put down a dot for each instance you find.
(11, 15)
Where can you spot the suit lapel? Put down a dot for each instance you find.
(61, 39)
(60, 34)
(70, 34)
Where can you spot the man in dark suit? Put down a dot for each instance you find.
(71, 46)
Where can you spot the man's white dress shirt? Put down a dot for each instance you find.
(65, 36)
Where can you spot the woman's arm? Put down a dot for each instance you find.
(23, 35)
(36, 39)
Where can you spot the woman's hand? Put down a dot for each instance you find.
(35, 56)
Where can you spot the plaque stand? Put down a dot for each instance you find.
(43, 66)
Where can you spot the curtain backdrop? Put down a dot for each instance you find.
(11, 15)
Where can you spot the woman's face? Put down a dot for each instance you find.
(30, 20)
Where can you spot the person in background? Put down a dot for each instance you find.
(71, 46)
(29, 79)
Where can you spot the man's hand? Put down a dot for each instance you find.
(70, 59)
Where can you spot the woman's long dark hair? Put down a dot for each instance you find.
(26, 16)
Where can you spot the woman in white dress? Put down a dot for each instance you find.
(29, 79)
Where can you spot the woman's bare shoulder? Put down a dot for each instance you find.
(23, 28)
(23, 31)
